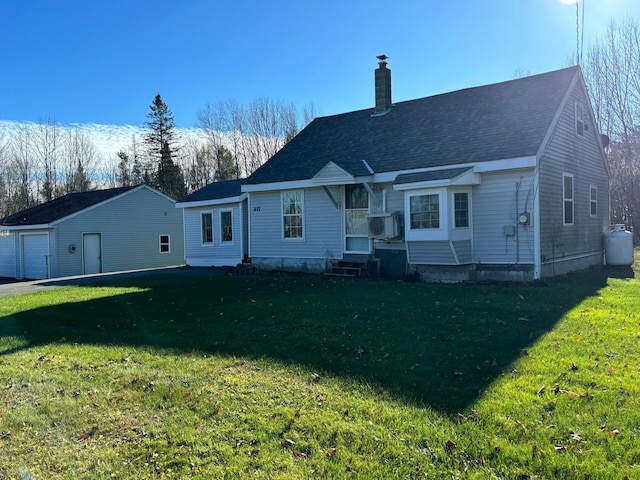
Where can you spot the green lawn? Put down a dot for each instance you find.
(278, 376)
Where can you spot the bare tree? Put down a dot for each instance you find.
(21, 174)
(251, 134)
(80, 161)
(46, 145)
(612, 71)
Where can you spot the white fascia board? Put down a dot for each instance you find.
(20, 228)
(208, 203)
(505, 164)
(478, 167)
(276, 186)
(422, 185)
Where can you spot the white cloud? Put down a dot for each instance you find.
(108, 139)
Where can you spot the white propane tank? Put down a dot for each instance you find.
(618, 248)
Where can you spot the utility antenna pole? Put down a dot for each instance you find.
(579, 33)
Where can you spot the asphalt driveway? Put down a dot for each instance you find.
(10, 286)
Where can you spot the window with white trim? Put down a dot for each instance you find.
(206, 221)
(226, 226)
(164, 244)
(567, 198)
(593, 201)
(293, 214)
(424, 211)
(581, 119)
(461, 210)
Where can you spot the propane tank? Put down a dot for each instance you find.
(618, 248)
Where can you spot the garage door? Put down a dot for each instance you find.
(8, 256)
(35, 249)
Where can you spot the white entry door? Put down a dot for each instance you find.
(35, 255)
(91, 253)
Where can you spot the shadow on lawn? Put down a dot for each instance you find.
(439, 345)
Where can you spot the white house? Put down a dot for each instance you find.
(506, 181)
(92, 232)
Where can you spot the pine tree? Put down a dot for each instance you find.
(162, 141)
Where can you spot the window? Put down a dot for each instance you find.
(226, 227)
(207, 228)
(567, 195)
(461, 210)
(292, 214)
(424, 211)
(581, 119)
(164, 244)
(593, 200)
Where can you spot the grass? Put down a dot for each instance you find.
(276, 376)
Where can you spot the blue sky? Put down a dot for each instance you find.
(104, 61)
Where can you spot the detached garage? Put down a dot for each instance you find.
(111, 230)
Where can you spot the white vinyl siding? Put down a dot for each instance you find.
(218, 252)
(496, 204)
(567, 152)
(323, 237)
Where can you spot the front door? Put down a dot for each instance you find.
(356, 207)
(91, 253)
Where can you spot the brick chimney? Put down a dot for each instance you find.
(383, 86)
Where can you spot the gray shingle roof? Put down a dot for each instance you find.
(61, 207)
(499, 121)
(447, 174)
(216, 191)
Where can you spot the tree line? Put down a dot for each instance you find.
(42, 161)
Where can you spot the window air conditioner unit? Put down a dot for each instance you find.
(384, 226)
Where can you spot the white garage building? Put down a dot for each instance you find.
(109, 230)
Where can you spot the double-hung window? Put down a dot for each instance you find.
(207, 228)
(226, 226)
(567, 198)
(461, 210)
(581, 120)
(593, 201)
(293, 214)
